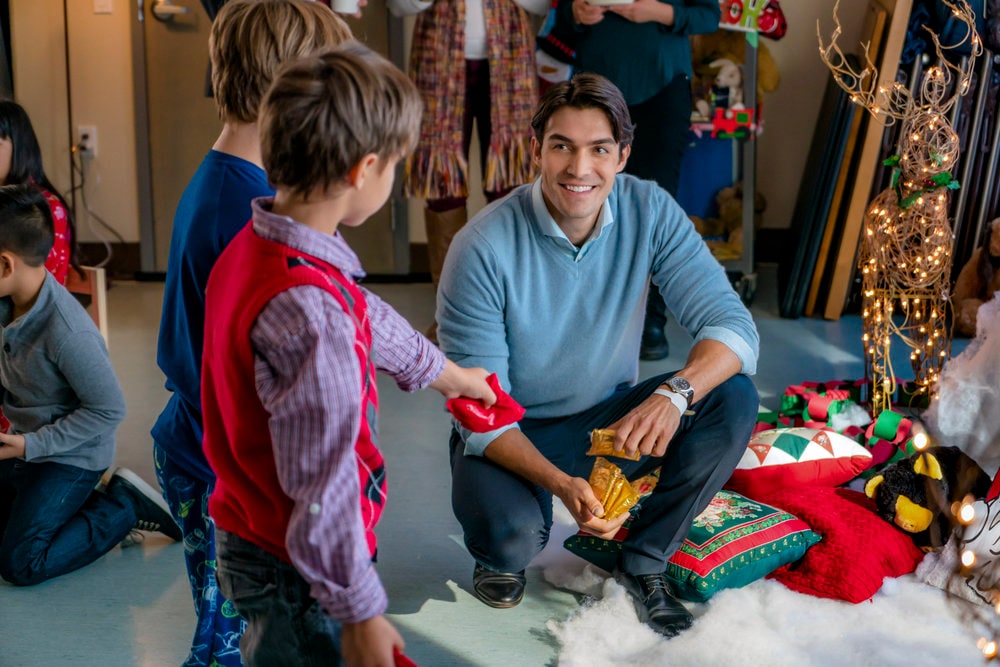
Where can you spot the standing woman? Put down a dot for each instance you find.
(21, 163)
(474, 63)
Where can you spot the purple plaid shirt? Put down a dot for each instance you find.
(308, 381)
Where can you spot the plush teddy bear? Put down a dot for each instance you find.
(724, 234)
(976, 283)
(917, 493)
(708, 50)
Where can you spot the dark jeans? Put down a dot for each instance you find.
(52, 521)
(477, 108)
(661, 134)
(219, 626)
(285, 625)
(506, 519)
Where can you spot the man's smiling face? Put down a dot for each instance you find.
(578, 159)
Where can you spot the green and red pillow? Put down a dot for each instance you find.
(734, 542)
(797, 456)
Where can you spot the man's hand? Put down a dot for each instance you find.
(645, 11)
(456, 381)
(648, 428)
(585, 13)
(11, 446)
(579, 499)
(370, 643)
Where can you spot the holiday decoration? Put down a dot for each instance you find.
(905, 255)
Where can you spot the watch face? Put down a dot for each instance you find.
(680, 385)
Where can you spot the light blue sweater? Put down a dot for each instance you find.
(561, 326)
(57, 385)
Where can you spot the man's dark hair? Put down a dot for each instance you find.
(26, 227)
(586, 91)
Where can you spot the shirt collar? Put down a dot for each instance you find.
(548, 226)
(332, 249)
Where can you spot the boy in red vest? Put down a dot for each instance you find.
(292, 343)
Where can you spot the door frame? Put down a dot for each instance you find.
(143, 157)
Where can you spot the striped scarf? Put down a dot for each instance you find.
(437, 168)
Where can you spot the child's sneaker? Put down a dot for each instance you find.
(134, 538)
(152, 512)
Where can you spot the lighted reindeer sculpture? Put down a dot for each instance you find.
(905, 254)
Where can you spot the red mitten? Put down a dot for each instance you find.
(471, 413)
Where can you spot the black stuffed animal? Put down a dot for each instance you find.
(916, 494)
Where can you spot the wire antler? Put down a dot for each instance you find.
(894, 102)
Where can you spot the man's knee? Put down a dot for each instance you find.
(738, 397)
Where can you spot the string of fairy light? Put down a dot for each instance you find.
(905, 255)
(905, 252)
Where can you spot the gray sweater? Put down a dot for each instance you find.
(57, 384)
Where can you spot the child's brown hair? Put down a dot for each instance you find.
(326, 111)
(251, 39)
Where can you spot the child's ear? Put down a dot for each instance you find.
(359, 172)
(6, 264)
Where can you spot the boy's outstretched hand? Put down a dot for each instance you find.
(370, 643)
(456, 381)
(11, 446)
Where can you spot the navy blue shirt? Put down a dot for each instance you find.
(214, 207)
(641, 58)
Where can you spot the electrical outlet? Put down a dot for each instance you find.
(86, 140)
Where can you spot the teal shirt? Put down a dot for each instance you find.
(641, 58)
(57, 385)
(561, 325)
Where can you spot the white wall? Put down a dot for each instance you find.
(790, 112)
(101, 95)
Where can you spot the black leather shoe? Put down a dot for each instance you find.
(655, 602)
(655, 345)
(498, 589)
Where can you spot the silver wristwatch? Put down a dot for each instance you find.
(679, 385)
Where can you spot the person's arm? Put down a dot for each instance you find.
(694, 284)
(536, 7)
(402, 8)
(580, 13)
(691, 17)
(515, 452)
(651, 425)
(83, 361)
(414, 362)
(307, 379)
(696, 290)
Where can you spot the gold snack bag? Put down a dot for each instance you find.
(612, 488)
(602, 443)
(601, 477)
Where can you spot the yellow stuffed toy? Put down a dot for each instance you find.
(917, 493)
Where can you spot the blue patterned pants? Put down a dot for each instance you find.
(217, 634)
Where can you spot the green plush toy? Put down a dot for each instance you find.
(917, 493)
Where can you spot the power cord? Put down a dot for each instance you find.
(76, 151)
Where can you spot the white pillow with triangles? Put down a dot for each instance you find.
(797, 456)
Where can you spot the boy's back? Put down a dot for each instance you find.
(214, 207)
